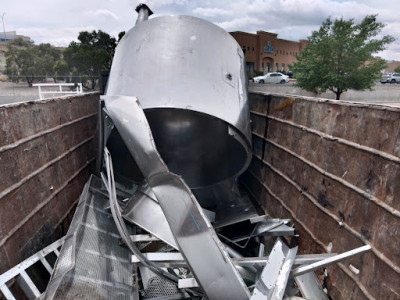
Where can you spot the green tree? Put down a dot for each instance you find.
(18, 62)
(339, 56)
(91, 54)
(20, 42)
(397, 69)
(30, 61)
(61, 70)
(46, 57)
(121, 35)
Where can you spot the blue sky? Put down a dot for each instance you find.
(59, 22)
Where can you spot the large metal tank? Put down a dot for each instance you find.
(189, 77)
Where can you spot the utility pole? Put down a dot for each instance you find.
(4, 29)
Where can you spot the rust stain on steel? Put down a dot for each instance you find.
(381, 193)
(284, 104)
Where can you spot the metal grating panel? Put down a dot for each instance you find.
(66, 261)
(92, 263)
(158, 287)
(85, 288)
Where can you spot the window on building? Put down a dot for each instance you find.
(250, 67)
(276, 67)
(248, 48)
(252, 48)
(283, 67)
(244, 49)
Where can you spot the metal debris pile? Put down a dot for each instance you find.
(175, 146)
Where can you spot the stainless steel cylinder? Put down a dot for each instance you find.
(189, 77)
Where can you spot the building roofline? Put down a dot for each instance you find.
(267, 32)
(289, 41)
(243, 32)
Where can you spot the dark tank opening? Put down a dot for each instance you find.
(197, 146)
(125, 167)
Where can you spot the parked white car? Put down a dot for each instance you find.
(391, 78)
(274, 77)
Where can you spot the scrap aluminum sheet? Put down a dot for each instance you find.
(275, 275)
(194, 235)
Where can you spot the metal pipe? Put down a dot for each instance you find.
(144, 13)
(311, 267)
(235, 254)
(4, 29)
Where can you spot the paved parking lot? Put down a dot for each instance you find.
(386, 94)
(17, 92)
(11, 92)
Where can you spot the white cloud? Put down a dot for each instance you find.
(102, 13)
(238, 23)
(211, 12)
(57, 36)
(290, 19)
(159, 3)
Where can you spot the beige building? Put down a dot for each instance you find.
(12, 35)
(6, 37)
(391, 65)
(265, 52)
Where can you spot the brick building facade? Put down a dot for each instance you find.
(265, 52)
(391, 65)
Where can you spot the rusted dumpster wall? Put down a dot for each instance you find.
(46, 155)
(334, 169)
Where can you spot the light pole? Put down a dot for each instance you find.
(4, 29)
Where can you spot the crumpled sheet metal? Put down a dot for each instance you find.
(196, 238)
(140, 207)
(274, 277)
